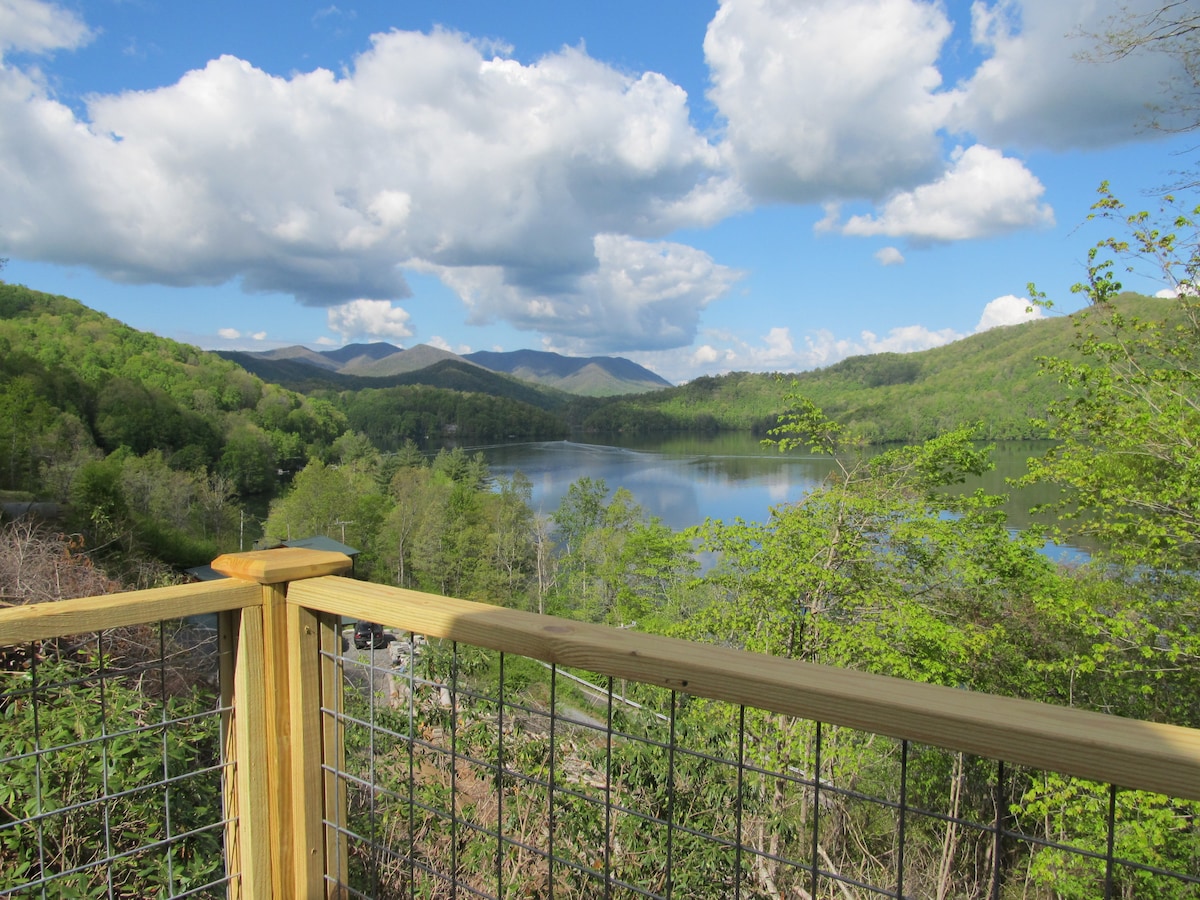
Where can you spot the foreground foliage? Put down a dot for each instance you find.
(1128, 431)
(714, 800)
(141, 816)
(112, 737)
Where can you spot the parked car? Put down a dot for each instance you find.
(368, 634)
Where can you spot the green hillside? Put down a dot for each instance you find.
(391, 416)
(993, 378)
(74, 382)
(145, 444)
(148, 445)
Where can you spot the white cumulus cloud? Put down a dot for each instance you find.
(704, 355)
(905, 339)
(543, 190)
(779, 350)
(984, 193)
(442, 344)
(1183, 289)
(1008, 310)
(828, 99)
(430, 148)
(229, 334)
(369, 319)
(1042, 85)
(37, 27)
(638, 295)
(846, 100)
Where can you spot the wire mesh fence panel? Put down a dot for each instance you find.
(473, 773)
(1073, 838)
(111, 767)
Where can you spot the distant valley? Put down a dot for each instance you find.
(596, 376)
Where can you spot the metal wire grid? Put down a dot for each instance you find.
(437, 811)
(110, 766)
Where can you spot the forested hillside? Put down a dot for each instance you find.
(153, 447)
(164, 444)
(126, 388)
(993, 378)
(147, 442)
(390, 416)
(78, 384)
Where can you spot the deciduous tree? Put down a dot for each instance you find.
(1128, 432)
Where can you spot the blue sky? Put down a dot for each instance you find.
(702, 187)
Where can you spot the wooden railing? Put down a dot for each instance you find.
(279, 628)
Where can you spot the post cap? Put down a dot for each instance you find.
(281, 564)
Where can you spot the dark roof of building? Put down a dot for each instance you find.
(320, 542)
(205, 573)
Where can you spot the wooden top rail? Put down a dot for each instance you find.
(43, 621)
(1130, 753)
(1126, 752)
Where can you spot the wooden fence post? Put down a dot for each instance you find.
(277, 697)
(252, 749)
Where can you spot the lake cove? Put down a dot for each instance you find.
(681, 488)
(685, 479)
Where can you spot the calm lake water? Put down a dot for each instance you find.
(684, 480)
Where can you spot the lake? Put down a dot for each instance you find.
(685, 479)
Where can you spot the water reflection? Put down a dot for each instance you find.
(684, 480)
(681, 488)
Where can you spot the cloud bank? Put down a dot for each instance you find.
(546, 192)
(780, 351)
(32, 26)
(428, 152)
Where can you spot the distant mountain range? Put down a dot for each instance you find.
(594, 376)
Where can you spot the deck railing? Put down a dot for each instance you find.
(497, 753)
